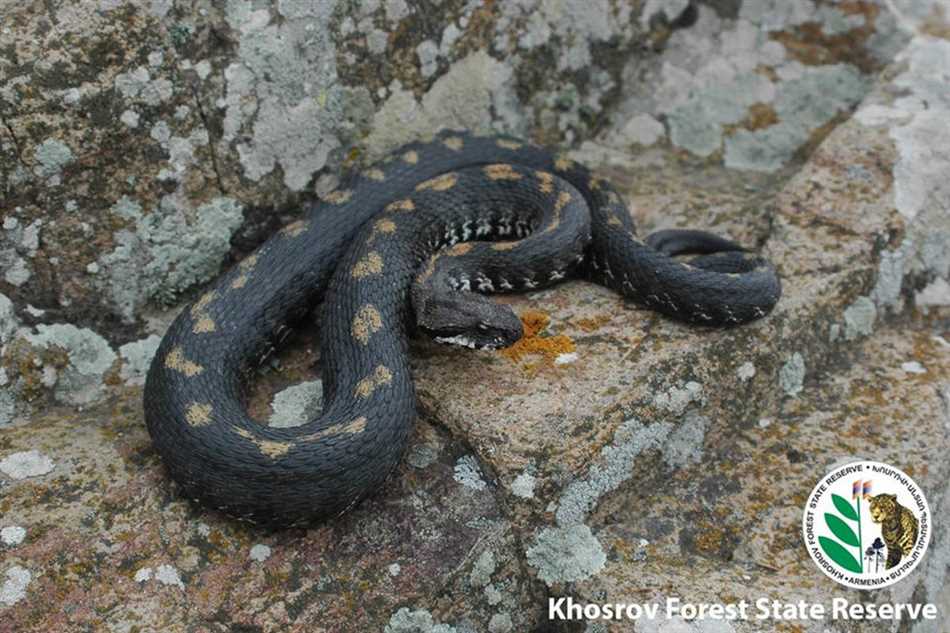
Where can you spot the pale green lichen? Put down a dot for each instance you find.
(791, 377)
(90, 357)
(566, 554)
(859, 318)
(612, 468)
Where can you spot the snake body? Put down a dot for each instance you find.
(359, 252)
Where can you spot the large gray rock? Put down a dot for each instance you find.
(614, 454)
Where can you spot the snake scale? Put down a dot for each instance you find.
(371, 252)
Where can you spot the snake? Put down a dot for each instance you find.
(409, 243)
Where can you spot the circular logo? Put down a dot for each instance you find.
(866, 525)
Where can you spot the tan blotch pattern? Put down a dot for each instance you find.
(501, 171)
(376, 174)
(454, 143)
(401, 205)
(339, 196)
(427, 271)
(203, 321)
(460, 249)
(380, 227)
(507, 144)
(294, 229)
(380, 376)
(369, 264)
(613, 220)
(353, 426)
(504, 246)
(563, 163)
(546, 180)
(411, 157)
(439, 183)
(595, 183)
(246, 265)
(198, 414)
(176, 360)
(267, 447)
(366, 323)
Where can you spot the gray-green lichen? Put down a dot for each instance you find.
(8, 321)
(566, 554)
(168, 252)
(791, 377)
(418, 621)
(729, 85)
(612, 468)
(462, 98)
(859, 318)
(90, 357)
(283, 87)
(297, 404)
(51, 156)
(468, 473)
(136, 358)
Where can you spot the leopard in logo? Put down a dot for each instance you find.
(898, 527)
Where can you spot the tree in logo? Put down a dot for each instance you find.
(837, 548)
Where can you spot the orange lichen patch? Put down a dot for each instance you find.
(549, 347)
(936, 24)
(591, 324)
(810, 45)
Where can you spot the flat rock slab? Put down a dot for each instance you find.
(729, 528)
(639, 459)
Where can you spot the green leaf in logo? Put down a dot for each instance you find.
(840, 529)
(839, 554)
(845, 508)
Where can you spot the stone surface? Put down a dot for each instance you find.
(145, 145)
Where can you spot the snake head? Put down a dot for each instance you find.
(465, 319)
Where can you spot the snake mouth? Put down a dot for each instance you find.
(482, 341)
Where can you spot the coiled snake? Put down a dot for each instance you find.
(371, 253)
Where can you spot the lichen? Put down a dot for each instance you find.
(613, 467)
(549, 348)
(791, 376)
(566, 554)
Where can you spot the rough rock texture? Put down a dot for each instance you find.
(146, 145)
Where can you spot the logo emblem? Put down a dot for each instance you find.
(866, 525)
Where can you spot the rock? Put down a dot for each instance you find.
(641, 457)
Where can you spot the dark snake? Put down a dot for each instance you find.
(374, 253)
